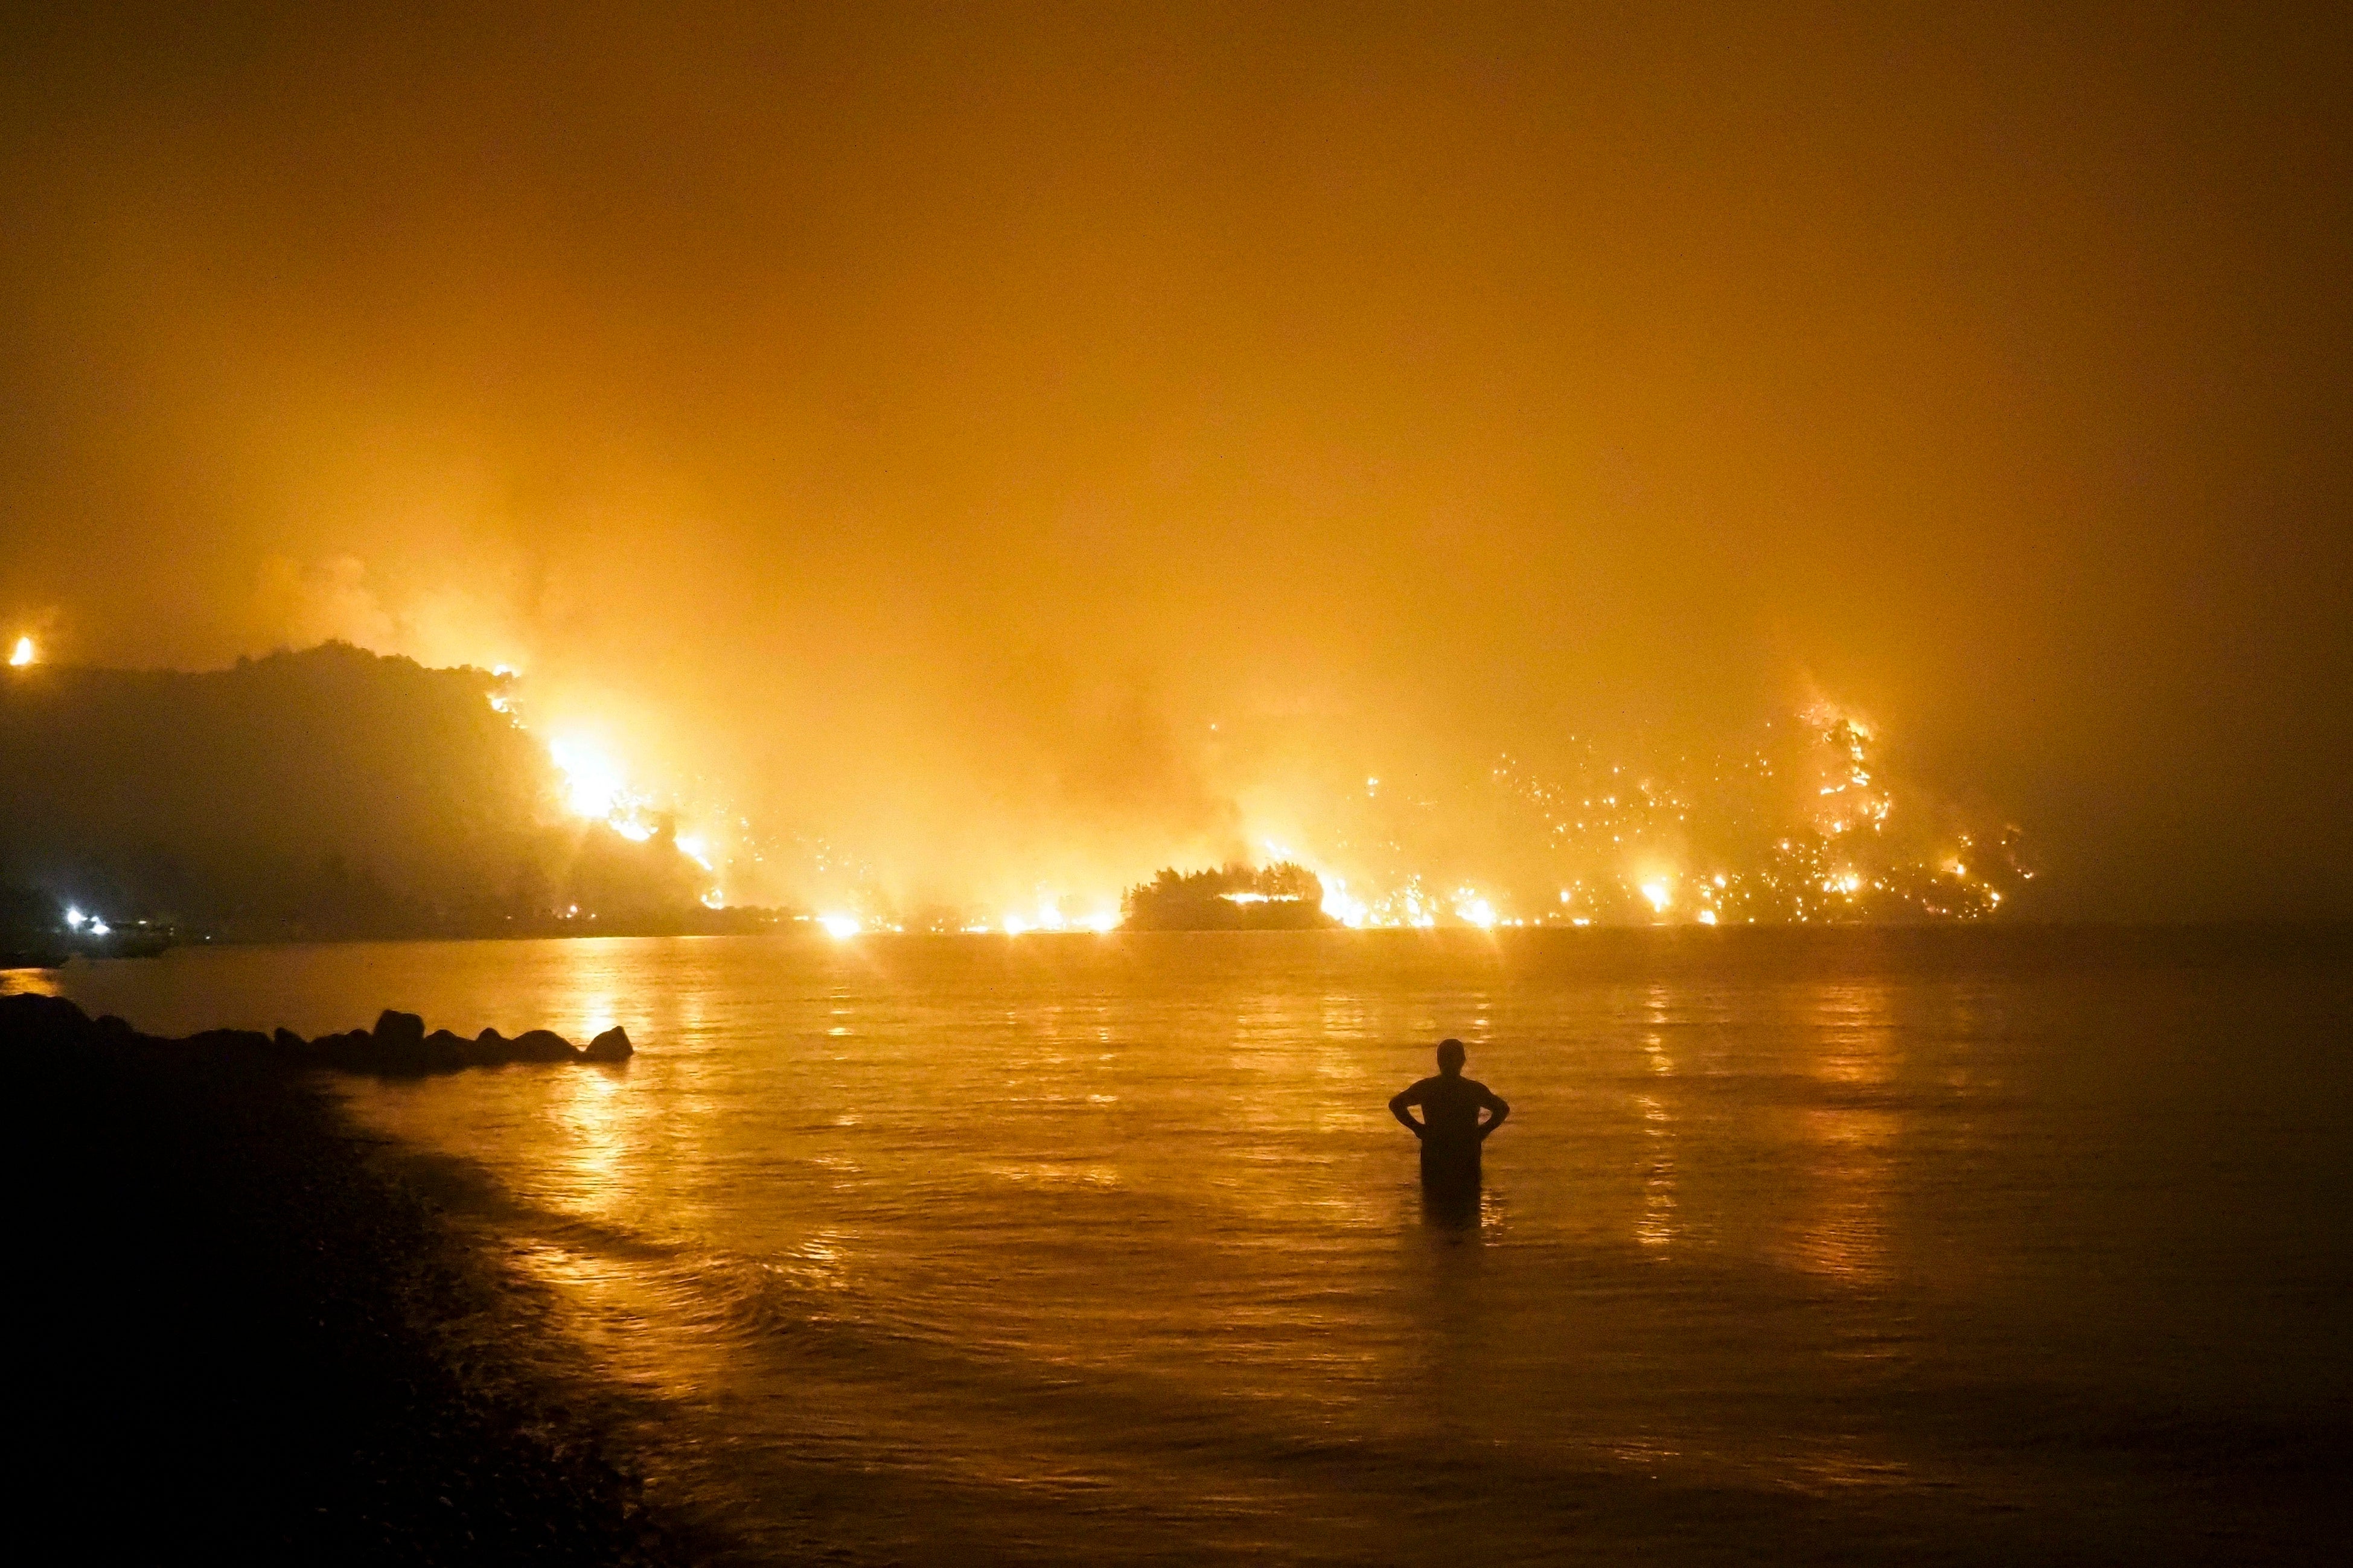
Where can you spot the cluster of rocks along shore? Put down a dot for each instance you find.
(398, 1043)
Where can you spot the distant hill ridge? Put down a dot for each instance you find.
(326, 792)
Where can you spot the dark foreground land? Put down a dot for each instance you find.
(242, 1334)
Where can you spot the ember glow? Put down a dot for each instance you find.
(23, 654)
(1803, 823)
(593, 785)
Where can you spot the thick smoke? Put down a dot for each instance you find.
(966, 462)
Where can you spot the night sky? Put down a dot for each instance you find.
(922, 425)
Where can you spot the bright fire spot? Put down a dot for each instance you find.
(1103, 921)
(713, 901)
(592, 783)
(1014, 925)
(840, 925)
(695, 848)
(24, 653)
(1707, 917)
(1476, 911)
(1659, 896)
(1342, 906)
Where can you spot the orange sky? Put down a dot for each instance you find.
(927, 423)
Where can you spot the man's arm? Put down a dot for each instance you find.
(1496, 1112)
(1397, 1103)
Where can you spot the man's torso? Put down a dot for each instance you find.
(1450, 1109)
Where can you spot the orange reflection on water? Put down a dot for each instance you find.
(1848, 1135)
(29, 982)
(597, 1120)
(1658, 1227)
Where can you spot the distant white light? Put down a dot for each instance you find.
(73, 919)
(840, 926)
(24, 653)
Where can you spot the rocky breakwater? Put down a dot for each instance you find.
(398, 1044)
(397, 1047)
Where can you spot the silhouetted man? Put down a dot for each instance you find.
(1449, 1127)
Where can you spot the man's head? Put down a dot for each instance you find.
(1450, 1056)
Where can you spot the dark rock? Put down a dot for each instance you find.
(52, 1021)
(397, 1045)
(356, 1049)
(401, 1032)
(612, 1046)
(543, 1045)
(447, 1052)
(396, 1042)
(251, 1043)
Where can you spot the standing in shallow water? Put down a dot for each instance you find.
(1449, 1127)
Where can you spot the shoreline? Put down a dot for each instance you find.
(256, 1332)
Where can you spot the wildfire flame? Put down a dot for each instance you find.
(24, 653)
(1805, 826)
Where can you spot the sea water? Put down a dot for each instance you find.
(1976, 1245)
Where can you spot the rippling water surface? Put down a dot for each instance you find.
(1991, 1246)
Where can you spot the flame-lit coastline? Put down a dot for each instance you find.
(1801, 829)
(1803, 822)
